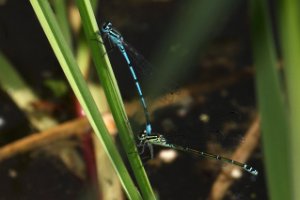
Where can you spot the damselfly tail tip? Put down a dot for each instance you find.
(250, 170)
(148, 129)
(254, 172)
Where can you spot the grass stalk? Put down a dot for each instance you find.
(67, 61)
(62, 19)
(111, 90)
(22, 95)
(271, 103)
(289, 23)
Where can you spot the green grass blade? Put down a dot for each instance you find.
(17, 89)
(193, 26)
(70, 68)
(110, 86)
(271, 104)
(61, 11)
(289, 17)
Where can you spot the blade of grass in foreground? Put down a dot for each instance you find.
(271, 105)
(71, 70)
(289, 16)
(61, 11)
(111, 89)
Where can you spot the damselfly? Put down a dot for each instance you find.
(116, 39)
(148, 138)
(160, 140)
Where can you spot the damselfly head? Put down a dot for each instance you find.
(106, 27)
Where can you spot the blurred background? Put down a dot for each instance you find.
(199, 87)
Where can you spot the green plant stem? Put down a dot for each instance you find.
(271, 104)
(62, 19)
(111, 90)
(75, 78)
(289, 17)
(18, 90)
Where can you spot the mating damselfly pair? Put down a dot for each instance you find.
(149, 138)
